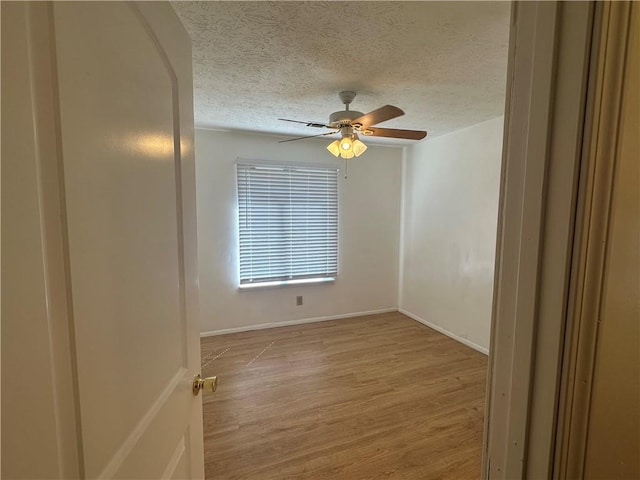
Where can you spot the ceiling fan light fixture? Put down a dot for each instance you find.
(334, 148)
(348, 146)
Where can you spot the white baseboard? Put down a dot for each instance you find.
(261, 326)
(437, 328)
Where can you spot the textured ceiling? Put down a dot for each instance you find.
(443, 63)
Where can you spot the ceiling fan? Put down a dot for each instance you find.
(350, 123)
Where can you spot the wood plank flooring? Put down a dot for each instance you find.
(374, 397)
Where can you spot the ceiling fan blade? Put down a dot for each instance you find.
(395, 133)
(310, 136)
(380, 115)
(308, 124)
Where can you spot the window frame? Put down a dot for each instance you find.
(304, 278)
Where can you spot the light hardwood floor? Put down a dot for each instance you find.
(375, 397)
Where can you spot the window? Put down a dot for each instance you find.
(288, 219)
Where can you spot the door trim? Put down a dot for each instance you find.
(549, 52)
(591, 240)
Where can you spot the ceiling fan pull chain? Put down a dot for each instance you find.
(346, 168)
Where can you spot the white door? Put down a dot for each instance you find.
(123, 124)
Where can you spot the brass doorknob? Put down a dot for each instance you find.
(208, 384)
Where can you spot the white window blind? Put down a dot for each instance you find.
(288, 219)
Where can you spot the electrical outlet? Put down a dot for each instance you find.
(299, 300)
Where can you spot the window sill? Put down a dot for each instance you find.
(286, 283)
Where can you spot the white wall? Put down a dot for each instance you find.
(450, 211)
(369, 222)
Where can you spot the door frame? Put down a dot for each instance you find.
(546, 120)
(608, 83)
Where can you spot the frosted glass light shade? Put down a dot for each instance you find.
(358, 147)
(347, 154)
(334, 148)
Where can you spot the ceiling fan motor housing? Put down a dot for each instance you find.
(344, 117)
